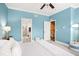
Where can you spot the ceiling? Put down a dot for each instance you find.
(35, 7)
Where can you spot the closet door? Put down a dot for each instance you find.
(46, 30)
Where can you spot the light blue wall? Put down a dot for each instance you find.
(3, 13)
(3, 16)
(75, 20)
(75, 15)
(63, 19)
(14, 20)
(63, 23)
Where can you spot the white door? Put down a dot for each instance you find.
(26, 30)
(46, 30)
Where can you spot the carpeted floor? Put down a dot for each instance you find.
(65, 48)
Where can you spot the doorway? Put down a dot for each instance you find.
(52, 30)
(46, 30)
(26, 30)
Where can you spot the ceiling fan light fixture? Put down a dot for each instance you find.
(51, 6)
(47, 5)
(43, 6)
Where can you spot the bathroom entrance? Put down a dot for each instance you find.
(52, 30)
(26, 30)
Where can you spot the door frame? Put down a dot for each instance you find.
(21, 28)
(55, 27)
(47, 30)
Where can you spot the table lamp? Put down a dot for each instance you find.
(7, 29)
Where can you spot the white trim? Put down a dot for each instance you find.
(27, 11)
(58, 11)
(46, 30)
(20, 42)
(61, 10)
(76, 50)
(62, 43)
(37, 12)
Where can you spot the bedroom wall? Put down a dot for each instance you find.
(63, 23)
(14, 20)
(75, 20)
(63, 20)
(3, 17)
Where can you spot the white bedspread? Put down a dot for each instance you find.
(10, 48)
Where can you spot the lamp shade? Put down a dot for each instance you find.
(7, 28)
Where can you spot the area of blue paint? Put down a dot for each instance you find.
(14, 20)
(75, 20)
(76, 15)
(63, 23)
(3, 16)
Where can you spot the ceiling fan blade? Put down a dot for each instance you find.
(51, 6)
(42, 6)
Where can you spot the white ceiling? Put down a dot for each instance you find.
(35, 7)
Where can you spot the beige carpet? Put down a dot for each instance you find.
(65, 47)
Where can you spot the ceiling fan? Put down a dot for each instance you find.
(47, 5)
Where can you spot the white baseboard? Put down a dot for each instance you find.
(19, 42)
(62, 43)
(76, 50)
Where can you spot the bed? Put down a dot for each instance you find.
(43, 48)
(9, 47)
